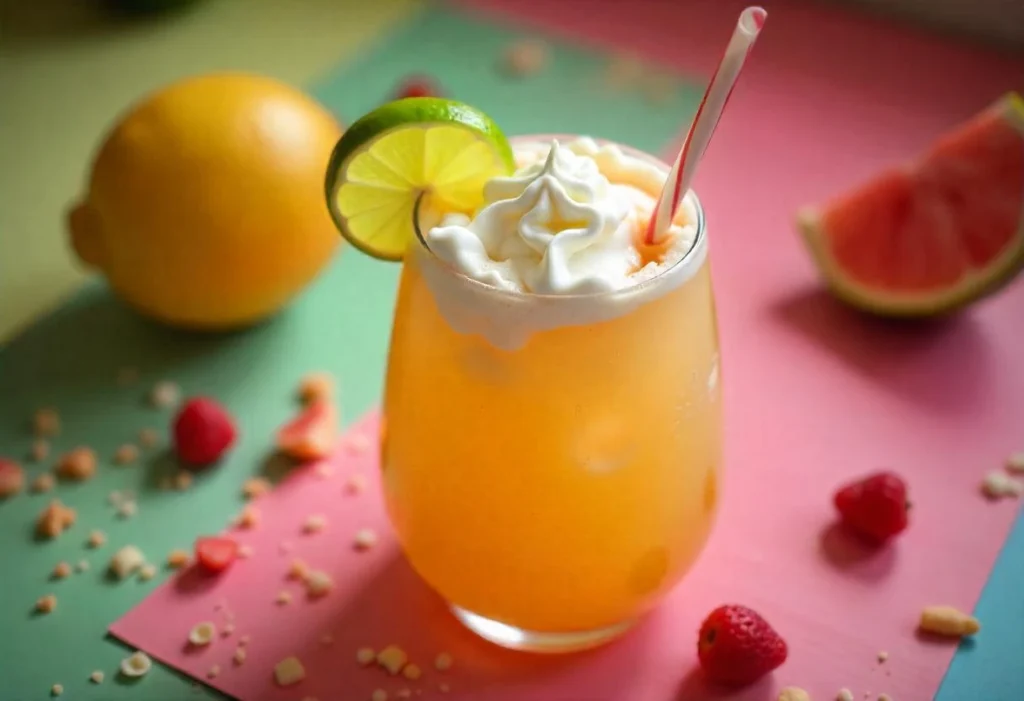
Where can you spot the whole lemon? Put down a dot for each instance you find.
(205, 203)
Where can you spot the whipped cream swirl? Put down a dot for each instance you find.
(556, 227)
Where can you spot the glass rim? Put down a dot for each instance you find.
(695, 249)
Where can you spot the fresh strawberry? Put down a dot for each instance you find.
(312, 434)
(738, 647)
(215, 554)
(203, 431)
(875, 506)
(417, 86)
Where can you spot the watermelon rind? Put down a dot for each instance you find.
(977, 284)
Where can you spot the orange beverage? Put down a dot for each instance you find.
(551, 461)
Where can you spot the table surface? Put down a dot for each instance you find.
(51, 151)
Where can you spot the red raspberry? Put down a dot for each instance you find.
(738, 647)
(216, 554)
(875, 506)
(203, 431)
(418, 86)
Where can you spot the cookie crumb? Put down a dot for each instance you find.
(239, 656)
(392, 658)
(315, 387)
(213, 672)
(248, 518)
(177, 559)
(46, 604)
(297, 570)
(126, 454)
(844, 695)
(289, 671)
(883, 655)
(244, 640)
(365, 539)
(997, 485)
(182, 480)
(794, 693)
(77, 465)
(137, 664)
(12, 478)
(412, 672)
(283, 598)
(443, 662)
(97, 539)
(1015, 463)
(256, 487)
(949, 621)
(314, 523)
(147, 572)
(149, 437)
(55, 519)
(82, 566)
(365, 656)
(96, 677)
(884, 697)
(202, 633)
(57, 689)
(127, 509)
(126, 561)
(164, 395)
(42, 483)
(46, 423)
(61, 570)
(318, 583)
(379, 695)
(40, 450)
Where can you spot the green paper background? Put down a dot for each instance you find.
(70, 360)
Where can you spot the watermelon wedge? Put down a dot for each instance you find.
(312, 434)
(933, 235)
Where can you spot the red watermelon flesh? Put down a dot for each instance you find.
(936, 233)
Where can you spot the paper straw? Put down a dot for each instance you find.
(704, 122)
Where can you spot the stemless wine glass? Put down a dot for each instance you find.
(555, 476)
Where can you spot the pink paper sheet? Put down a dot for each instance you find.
(814, 394)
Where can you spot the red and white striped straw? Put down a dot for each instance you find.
(704, 122)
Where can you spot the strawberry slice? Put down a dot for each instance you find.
(215, 554)
(312, 434)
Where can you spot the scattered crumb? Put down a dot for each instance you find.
(177, 559)
(57, 689)
(794, 693)
(884, 697)
(61, 571)
(256, 487)
(412, 672)
(126, 561)
(327, 639)
(366, 656)
(289, 671)
(96, 677)
(365, 539)
(946, 620)
(883, 655)
(324, 470)
(12, 478)
(82, 566)
(379, 695)
(213, 671)
(55, 519)
(283, 598)
(149, 437)
(239, 656)
(40, 450)
(1015, 463)
(244, 640)
(227, 630)
(126, 454)
(998, 484)
(96, 539)
(42, 483)
(318, 583)
(164, 395)
(147, 572)
(844, 695)
(314, 523)
(46, 423)
(357, 443)
(443, 662)
(202, 633)
(297, 570)
(46, 604)
(245, 551)
(524, 58)
(77, 465)
(182, 480)
(356, 484)
(137, 664)
(115, 498)
(248, 518)
(127, 509)
(316, 386)
(392, 658)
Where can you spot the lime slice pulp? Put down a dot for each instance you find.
(389, 157)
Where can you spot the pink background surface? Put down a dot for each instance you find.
(815, 394)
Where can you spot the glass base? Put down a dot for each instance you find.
(531, 641)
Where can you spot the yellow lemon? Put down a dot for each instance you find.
(204, 208)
